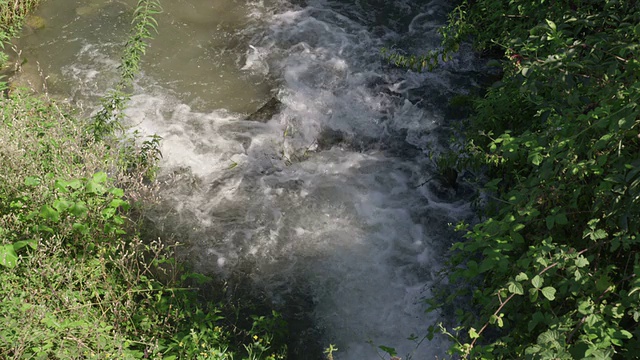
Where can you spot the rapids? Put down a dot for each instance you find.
(323, 210)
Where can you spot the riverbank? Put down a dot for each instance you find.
(80, 276)
(555, 255)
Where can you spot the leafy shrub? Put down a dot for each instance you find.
(555, 257)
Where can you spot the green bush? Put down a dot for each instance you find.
(555, 256)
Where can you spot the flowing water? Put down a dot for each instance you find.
(323, 208)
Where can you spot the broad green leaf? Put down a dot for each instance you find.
(100, 177)
(547, 337)
(75, 184)
(81, 228)
(522, 277)
(389, 350)
(581, 261)
(537, 281)
(78, 209)
(8, 256)
(22, 243)
(62, 205)
(94, 187)
(31, 181)
(598, 234)
(516, 288)
(49, 213)
(536, 158)
(117, 192)
(473, 334)
(561, 219)
(108, 213)
(549, 292)
(550, 221)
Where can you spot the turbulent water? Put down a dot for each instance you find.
(326, 209)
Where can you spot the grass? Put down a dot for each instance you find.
(78, 280)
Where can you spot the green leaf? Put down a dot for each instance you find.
(8, 256)
(473, 334)
(516, 288)
(22, 243)
(108, 213)
(522, 277)
(94, 187)
(561, 219)
(598, 234)
(537, 281)
(49, 213)
(549, 292)
(551, 24)
(536, 158)
(78, 209)
(117, 192)
(31, 181)
(389, 350)
(581, 261)
(62, 205)
(81, 228)
(100, 177)
(550, 220)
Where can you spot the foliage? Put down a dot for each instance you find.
(555, 258)
(107, 120)
(78, 280)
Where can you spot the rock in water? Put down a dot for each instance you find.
(267, 111)
(35, 22)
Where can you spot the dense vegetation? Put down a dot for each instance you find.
(78, 277)
(555, 258)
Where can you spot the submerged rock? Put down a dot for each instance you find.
(34, 22)
(267, 111)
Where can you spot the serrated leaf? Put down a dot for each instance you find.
(581, 261)
(598, 234)
(516, 288)
(537, 281)
(549, 292)
(550, 336)
(522, 277)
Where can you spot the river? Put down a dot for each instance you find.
(328, 209)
